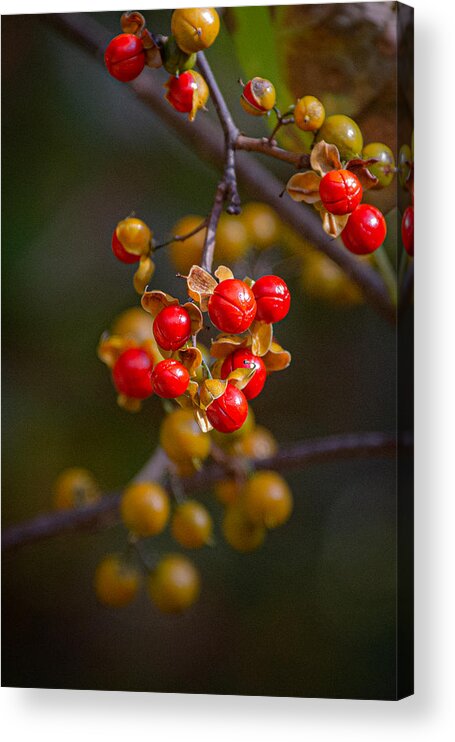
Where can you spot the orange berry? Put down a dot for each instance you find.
(145, 508)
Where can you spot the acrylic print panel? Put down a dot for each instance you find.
(208, 246)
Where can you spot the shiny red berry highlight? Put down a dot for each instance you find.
(228, 412)
(172, 327)
(120, 253)
(273, 299)
(232, 306)
(170, 379)
(340, 192)
(407, 230)
(131, 374)
(365, 231)
(245, 359)
(125, 57)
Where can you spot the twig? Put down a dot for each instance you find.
(182, 237)
(296, 456)
(204, 139)
(270, 148)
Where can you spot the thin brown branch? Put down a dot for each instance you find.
(270, 148)
(204, 139)
(182, 237)
(212, 224)
(295, 456)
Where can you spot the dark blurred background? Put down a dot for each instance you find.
(313, 612)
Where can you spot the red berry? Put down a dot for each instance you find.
(365, 231)
(170, 379)
(340, 192)
(232, 306)
(245, 359)
(228, 412)
(172, 327)
(272, 297)
(120, 252)
(131, 373)
(181, 91)
(124, 57)
(407, 230)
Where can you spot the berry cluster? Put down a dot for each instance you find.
(192, 30)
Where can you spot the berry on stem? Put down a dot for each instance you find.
(145, 508)
(309, 113)
(120, 252)
(240, 532)
(195, 29)
(273, 299)
(182, 438)
(228, 412)
(174, 585)
(187, 93)
(131, 373)
(134, 235)
(245, 359)
(75, 487)
(232, 306)
(124, 57)
(172, 327)
(365, 231)
(170, 379)
(191, 525)
(116, 582)
(340, 192)
(267, 499)
(344, 133)
(384, 169)
(258, 96)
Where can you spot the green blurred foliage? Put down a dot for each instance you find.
(313, 612)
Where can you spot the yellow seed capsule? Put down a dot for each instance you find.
(258, 97)
(322, 279)
(174, 584)
(344, 133)
(257, 445)
(186, 253)
(75, 487)
(134, 323)
(195, 29)
(181, 437)
(227, 491)
(309, 113)
(231, 242)
(267, 499)
(116, 582)
(145, 508)
(134, 235)
(191, 525)
(241, 533)
(262, 223)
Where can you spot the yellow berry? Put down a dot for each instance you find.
(191, 525)
(257, 444)
(144, 508)
(134, 323)
(240, 532)
(186, 253)
(309, 113)
(344, 133)
(75, 487)
(262, 223)
(134, 235)
(267, 499)
(258, 97)
(322, 279)
(181, 437)
(116, 582)
(195, 29)
(227, 491)
(174, 585)
(231, 242)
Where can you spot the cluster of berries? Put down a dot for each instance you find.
(192, 30)
(172, 365)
